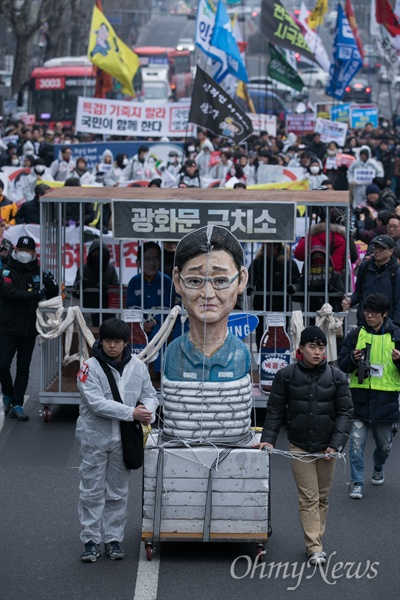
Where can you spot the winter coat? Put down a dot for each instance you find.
(370, 404)
(91, 277)
(372, 279)
(315, 403)
(8, 210)
(135, 169)
(19, 296)
(195, 181)
(337, 244)
(370, 163)
(29, 212)
(62, 170)
(256, 274)
(98, 423)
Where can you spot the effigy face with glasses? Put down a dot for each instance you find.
(206, 382)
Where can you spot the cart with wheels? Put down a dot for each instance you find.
(205, 493)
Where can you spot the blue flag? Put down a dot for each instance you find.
(224, 39)
(346, 58)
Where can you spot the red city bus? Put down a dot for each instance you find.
(55, 87)
(178, 63)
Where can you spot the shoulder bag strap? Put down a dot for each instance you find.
(111, 381)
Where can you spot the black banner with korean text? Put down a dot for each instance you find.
(213, 109)
(248, 221)
(280, 29)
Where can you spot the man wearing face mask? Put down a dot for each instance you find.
(170, 169)
(113, 176)
(38, 173)
(20, 293)
(10, 158)
(315, 176)
(62, 168)
(138, 167)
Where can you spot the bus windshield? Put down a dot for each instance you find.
(54, 88)
(60, 104)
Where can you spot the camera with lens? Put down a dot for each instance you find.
(364, 364)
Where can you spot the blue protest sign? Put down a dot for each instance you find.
(363, 114)
(340, 112)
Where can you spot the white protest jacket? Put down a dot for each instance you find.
(99, 412)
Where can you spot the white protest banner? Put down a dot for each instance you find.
(364, 176)
(278, 174)
(331, 131)
(124, 259)
(118, 117)
(263, 122)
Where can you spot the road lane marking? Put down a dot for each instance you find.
(147, 576)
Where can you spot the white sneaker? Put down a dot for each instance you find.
(357, 492)
(378, 477)
(317, 559)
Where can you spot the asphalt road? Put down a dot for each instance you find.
(40, 545)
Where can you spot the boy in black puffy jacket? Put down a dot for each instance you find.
(314, 400)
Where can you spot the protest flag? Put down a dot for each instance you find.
(312, 38)
(213, 109)
(110, 54)
(346, 58)
(316, 17)
(386, 17)
(104, 81)
(241, 88)
(205, 22)
(243, 93)
(280, 70)
(280, 29)
(223, 38)
(348, 9)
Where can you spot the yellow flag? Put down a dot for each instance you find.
(243, 93)
(110, 54)
(317, 16)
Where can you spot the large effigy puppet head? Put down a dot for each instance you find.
(209, 273)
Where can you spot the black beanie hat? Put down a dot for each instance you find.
(312, 334)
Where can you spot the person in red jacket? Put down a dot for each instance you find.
(336, 243)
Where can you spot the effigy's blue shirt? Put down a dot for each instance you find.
(184, 362)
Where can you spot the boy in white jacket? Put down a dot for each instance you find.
(104, 479)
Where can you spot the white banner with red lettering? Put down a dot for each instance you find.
(124, 260)
(119, 117)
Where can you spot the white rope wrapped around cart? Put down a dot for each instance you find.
(153, 347)
(330, 325)
(50, 325)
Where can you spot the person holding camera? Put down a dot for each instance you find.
(379, 273)
(371, 354)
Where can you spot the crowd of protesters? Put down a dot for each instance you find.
(208, 160)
